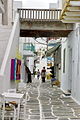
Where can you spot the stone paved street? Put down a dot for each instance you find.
(48, 103)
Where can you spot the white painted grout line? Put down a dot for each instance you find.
(53, 113)
(61, 100)
(73, 112)
(49, 100)
(29, 117)
(69, 119)
(71, 109)
(40, 106)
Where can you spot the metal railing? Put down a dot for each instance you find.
(40, 14)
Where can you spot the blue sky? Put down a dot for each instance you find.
(36, 3)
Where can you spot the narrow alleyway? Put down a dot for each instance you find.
(48, 103)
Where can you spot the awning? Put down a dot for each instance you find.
(53, 44)
(71, 12)
(50, 51)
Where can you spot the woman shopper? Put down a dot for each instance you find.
(43, 74)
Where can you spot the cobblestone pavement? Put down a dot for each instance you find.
(47, 103)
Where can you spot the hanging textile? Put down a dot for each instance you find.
(15, 70)
(18, 69)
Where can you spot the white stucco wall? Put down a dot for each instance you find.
(0, 18)
(10, 53)
(64, 82)
(60, 4)
(16, 5)
(10, 7)
(53, 5)
(72, 42)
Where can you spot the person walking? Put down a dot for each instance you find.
(38, 74)
(43, 74)
(28, 72)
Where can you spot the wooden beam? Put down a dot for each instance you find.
(73, 17)
(64, 9)
(70, 9)
(75, 3)
(44, 33)
(70, 21)
(74, 13)
(44, 25)
(75, 0)
(75, 8)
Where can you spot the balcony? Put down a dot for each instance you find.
(71, 12)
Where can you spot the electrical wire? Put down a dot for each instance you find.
(40, 42)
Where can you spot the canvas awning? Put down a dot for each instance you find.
(51, 51)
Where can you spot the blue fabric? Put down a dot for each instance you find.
(53, 79)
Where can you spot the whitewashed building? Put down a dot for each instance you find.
(70, 65)
(9, 39)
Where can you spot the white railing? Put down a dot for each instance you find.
(39, 14)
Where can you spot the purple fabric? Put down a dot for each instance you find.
(12, 69)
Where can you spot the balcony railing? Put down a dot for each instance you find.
(40, 14)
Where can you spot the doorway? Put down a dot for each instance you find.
(70, 71)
